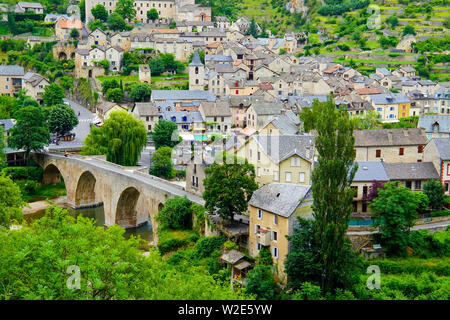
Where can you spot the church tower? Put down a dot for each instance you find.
(196, 73)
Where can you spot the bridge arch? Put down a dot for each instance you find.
(62, 56)
(52, 175)
(126, 215)
(85, 192)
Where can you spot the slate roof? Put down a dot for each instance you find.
(286, 124)
(196, 61)
(429, 121)
(146, 108)
(11, 71)
(443, 147)
(267, 108)
(390, 137)
(391, 98)
(7, 124)
(281, 147)
(183, 117)
(411, 171)
(280, 198)
(218, 58)
(213, 109)
(370, 170)
(177, 95)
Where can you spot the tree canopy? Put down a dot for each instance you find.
(165, 134)
(30, 131)
(122, 137)
(229, 186)
(99, 12)
(35, 260)
(152, 14)
(53, 95)
(176, 214)
(141, 92)
(396, 209)
(331, 182)
(116, 22)
(11, 202)
(162, 163)
(435, 192)
(125, 8)
(61, 119)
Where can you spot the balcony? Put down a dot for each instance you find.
(264, 237)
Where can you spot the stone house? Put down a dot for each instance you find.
(412, 175)
(147, 112)
(438, 152)
(436, 126)
(35, 84)
(280, 158)
(11, 79)
(261, 112)
(64, 27)
(273, 215)
(390, 145)
(217, 115)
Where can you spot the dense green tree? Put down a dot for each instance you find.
(122, 137)
(156, 66)
(30, 131)
(74, 33)
(162, 163)
(82, 6)
(2, 147)
(260, 282)
(116, 22)
(303, 263)
(126, 9)
(61, 119)
(396, 211)
(253, 28)
(34, 264)
(229, 186)
(435, 192)
(331, 183)
(11, 202)
(110, 83)
(409, 29)
(115, 95)
(165, 134)
(369, 120)
(176, 214)
(393, 21)
(97, 24)
(265, 256)
(99, 12)
(141, 92)
(53, 95)
(152, 14)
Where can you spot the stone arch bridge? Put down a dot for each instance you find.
(130, 198)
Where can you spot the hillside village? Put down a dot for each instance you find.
(227, 90)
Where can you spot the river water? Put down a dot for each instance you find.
(98, 214)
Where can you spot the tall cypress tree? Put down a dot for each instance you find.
(331, 181)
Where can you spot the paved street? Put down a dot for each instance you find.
(81, 130)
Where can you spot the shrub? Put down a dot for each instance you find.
(21, 173)
(30, 186)
(426, 245)
(230, 245)
(176, 214)
(206, 245)
(265, 256)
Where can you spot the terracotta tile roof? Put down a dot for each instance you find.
(213, 44)
(166, 30)
(70, 24)
(364, 91)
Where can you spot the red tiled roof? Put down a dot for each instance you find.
(70, 24)
(364, 91)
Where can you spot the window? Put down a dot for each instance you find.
(275, 219)
(364, 206)
(275, 176)
(257, 226)
(417, 184)
(259, 156)
(419, 149)
(401, 151)
(258, 246)
(288, 177)
(378, 153)
(275, 252)
(259, 172)
(274, 236)
(260, 214)
(302, 177)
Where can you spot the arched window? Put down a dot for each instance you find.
(196, 81)
(174, 119)
(196, 70)
(184, 119)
